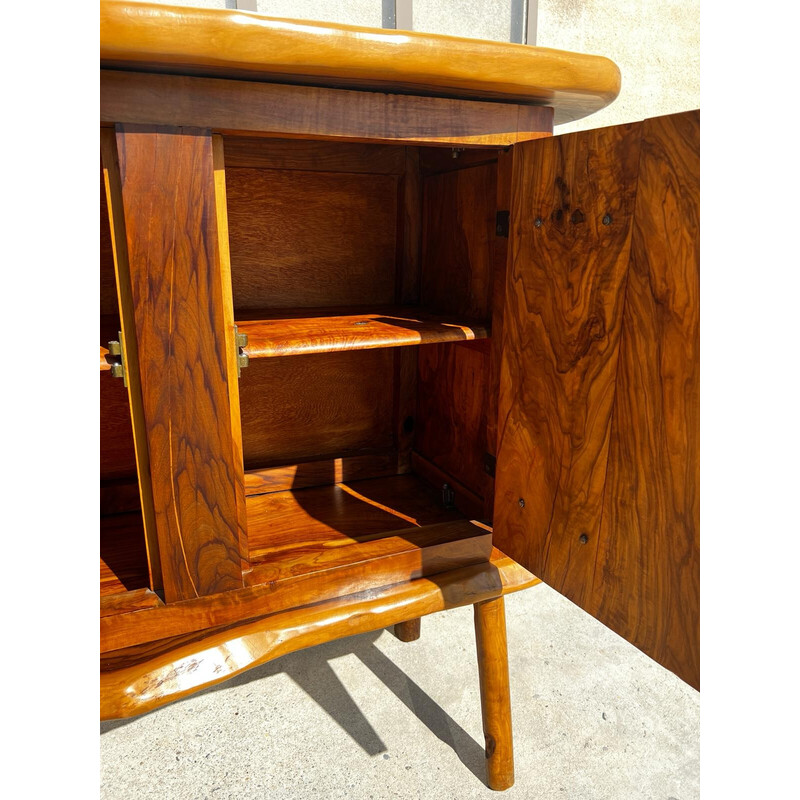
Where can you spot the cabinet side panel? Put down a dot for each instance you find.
(571, 220)
(646, 584)
(168, 195)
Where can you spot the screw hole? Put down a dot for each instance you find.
(607, 219)
(583, 538)
(521, 503)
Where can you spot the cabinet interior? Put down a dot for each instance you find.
(364, 277)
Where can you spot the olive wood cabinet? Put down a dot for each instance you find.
(374, 344)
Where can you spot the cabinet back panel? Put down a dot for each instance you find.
(311, 239)
(108, 281)
(117, 456)
(301, 407)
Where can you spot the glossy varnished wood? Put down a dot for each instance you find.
(140, 679)
(408, 631)
(647, 576)
(125, 602)
(176, 286)
(123, 557)
(295, 332)
(310, 112)
(371, 561)
(235, 44)
(490, 640)
(565, 290)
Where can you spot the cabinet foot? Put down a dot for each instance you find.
(490, 636)
(408, 631)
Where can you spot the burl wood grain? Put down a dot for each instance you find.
(176, 285)
(311, 239)
(140, 679)
(564, 299)
(647, 577)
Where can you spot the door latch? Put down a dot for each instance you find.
(240, 341)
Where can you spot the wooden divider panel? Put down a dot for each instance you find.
(177, 287)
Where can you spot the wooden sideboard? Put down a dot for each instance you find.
(375, 344)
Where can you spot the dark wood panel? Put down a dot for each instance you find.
(313, 156)
(108, 282)
(327, 404)
(451, 410)
(117, 453)
(176, 286)
(123, 556)
(647, 578)
(307, 112)
(297, 331)
(458, 232)
(464, 499)
(564, 298)
(311, 239)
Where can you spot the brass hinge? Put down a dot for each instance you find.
(502, 223)
(116, 358)
(242, 359)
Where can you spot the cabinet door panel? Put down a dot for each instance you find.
(597, 481)
(179, 289)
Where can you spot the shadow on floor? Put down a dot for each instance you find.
(310, 669)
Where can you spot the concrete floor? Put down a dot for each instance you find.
(370, 717)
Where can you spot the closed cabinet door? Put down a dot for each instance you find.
(597, 487)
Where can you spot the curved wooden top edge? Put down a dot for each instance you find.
(240, 44)
(127, 689)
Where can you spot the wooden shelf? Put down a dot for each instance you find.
(360, 534)
(298, 331)
(123, 557)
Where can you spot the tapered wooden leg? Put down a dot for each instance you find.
(490, 635)
(408, 631)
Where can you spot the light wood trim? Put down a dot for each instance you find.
(135, 689)
(234, 44)
(111, 177)
(308, 112)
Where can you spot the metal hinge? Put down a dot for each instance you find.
(242, 359)
(116, 358)
(489, 464)
(501, 224)
(448, 496)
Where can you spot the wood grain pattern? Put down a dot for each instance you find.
(164, 672)
(451, 411)
(490, 639)
(235, 44)
(466, 501)
(457, 235)
(322, 471)
(318, 515)
(320, 405)
(126, 602)
(311, 239)
(123, 315)
(176, 285)
(647, 576)
(117, 452)
(378, 559)
(256, 152)
(310, 112)
(297, 332)
(564, 299)
(346, 513)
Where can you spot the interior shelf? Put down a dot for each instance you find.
(325, 330)
(360, 532)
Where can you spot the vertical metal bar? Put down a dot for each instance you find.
(388, 16)
(242, 5)
(404, 15)
(517, 31)
(533, 18)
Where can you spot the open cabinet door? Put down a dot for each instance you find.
(597, 488)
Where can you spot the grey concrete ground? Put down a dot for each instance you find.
(370, 717)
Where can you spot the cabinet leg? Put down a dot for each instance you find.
(408, 631)
(490, 636)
